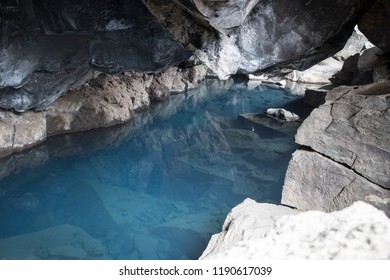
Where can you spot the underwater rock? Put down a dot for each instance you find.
(358, 232)
(61, 242)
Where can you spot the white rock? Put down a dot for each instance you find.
(282, 114)
(247, 221)
(357, 232)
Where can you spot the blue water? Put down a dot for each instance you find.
(155, 188)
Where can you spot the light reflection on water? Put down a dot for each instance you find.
(156, 188)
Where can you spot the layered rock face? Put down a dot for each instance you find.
(357, 232)
(348, 156)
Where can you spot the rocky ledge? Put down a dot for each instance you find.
(104, 101)
(255, 231)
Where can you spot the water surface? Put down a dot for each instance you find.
(155, 188)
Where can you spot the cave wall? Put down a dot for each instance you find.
(48, 47)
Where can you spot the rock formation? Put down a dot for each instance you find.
(48, 48)
(348, 157)
(104, 101)
(251, 232)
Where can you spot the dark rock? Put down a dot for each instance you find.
(49, 47)
(315, 98)
(375, 24)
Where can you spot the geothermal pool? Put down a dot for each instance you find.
(155, 188)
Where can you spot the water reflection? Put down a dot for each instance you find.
(155, 188)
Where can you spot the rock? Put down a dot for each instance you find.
(21, 131)
(104, 101)
(315, 182)
(51, 48)
(271, 33)
(317, 74)
(247, 221)
(60, 242)
(260, 123)
(374, 24)
(352, 128)
(358, 69)
(315, 98)
(282, 115)
(357, 232)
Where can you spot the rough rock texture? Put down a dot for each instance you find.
(375, 24)
(353, 128)
(104, 101)
(322, 72)
(272, 33)
(247, 221)
(19, 132)
(48, 47)
(357, 232)
(348, 158)
(315, 182)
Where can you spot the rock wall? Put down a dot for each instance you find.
(347, 156)
(104, 101)
(357, 232)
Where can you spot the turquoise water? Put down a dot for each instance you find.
(155, 188)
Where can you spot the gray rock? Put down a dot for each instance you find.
(50, 47)
(271, 34)
(353, 128)
(315, 182)
(357, 232)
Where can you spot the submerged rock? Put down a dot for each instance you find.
(61, 242)
(357, 232)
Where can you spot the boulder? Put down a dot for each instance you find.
(315, 98)
(357, 232)
(352, 128)
(21, 131)
(315, 182)
(247, 221)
